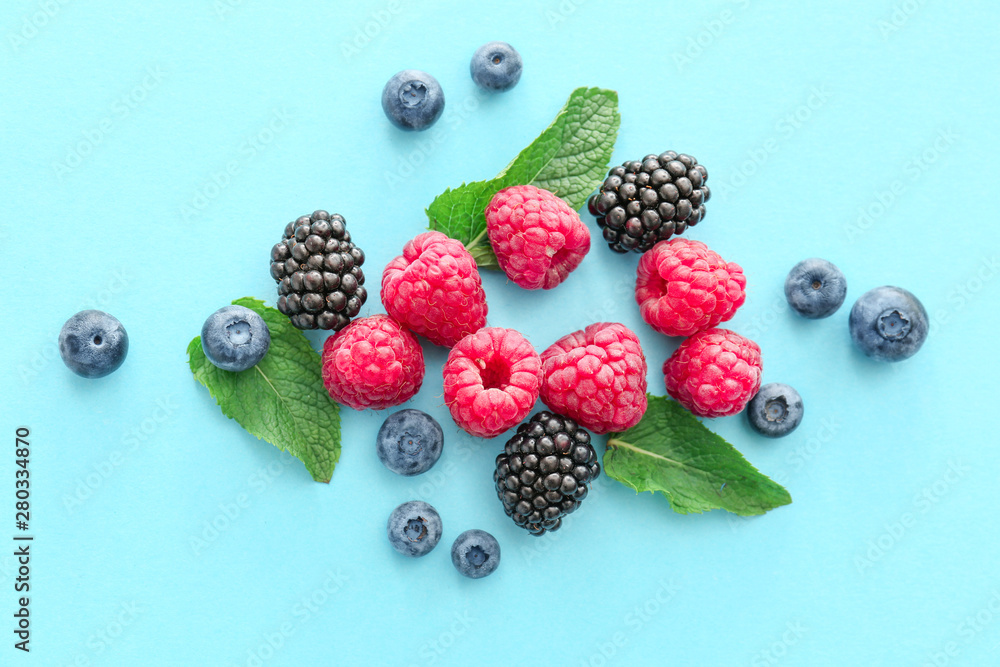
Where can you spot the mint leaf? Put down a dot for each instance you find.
(282, 399)
(670, 451)
(570, 158)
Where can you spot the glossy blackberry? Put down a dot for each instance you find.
(543, 472)
(318, 270)
(646, 201)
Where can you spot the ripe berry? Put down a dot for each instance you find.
(318, 271)
(409, 442)
(491, 381)
(815, 288)
(434, 289)
(496, 66)
(543, 472)
(646, 201)
(538, 239)
(475, 554)
(235, 338)
(412, 100)
(597, 377)
(775, 410)
(414, 528)
(372, 363)
(683, 287)
(714, 373)
(889, 323)
(93, 344)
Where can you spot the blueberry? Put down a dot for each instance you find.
(496, 66)
(475, 553)
(235, 338)
(815, 288)
(412, 100)
(93, 344)
(888, 323)
(775, 410)
(414, 528)
(409, 442)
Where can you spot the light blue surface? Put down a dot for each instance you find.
(119, 123)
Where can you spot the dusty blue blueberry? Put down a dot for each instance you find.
(775, 410)
(409, 442)
(496, 66)
(235, 338)
(93, 343)
(475, 553)
(888, 323)
(414, 528)
(412, 100)
(815, 288)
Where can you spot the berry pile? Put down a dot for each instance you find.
(318, 271)
(646, 201)
(543, 472)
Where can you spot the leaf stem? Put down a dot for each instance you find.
(474, 242)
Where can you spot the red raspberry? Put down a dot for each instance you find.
(683, 287)
(537, 237)
(491, 381)
(434, 290)
(714, 373)
(597, 377)
(372, 363)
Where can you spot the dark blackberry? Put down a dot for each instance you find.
(543, 472)
(318, 270)
(646, 201)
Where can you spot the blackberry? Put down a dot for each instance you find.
(646, 201)
(544, 470)
(318, 270)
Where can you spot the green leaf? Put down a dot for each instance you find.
(282, 399)
(670, 451)
(570, 158)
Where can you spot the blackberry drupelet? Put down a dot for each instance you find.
(318, 270)
(646, 201)
(543, 472)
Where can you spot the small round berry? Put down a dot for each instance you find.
(93, 343)
(475, 554)
(496, 66)
(775, 410)
(235, 338)
(412, 100)
(888, 323)
(409, 442)
(414, 528)
(815, 288)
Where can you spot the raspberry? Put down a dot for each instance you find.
(714, 373)
(434, 289)
(491, 381)
(597, 377)
(372, 363)
(318, 271)
(537, 237)
(543, 472)
(683, 287)
(649, 200)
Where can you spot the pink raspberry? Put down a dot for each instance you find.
(434, 290)
(537, 237)
(597, 377)
(714, 373)
(683, 287)
(372, 363)
(491, 381)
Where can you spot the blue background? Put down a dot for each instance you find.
(151, 155)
